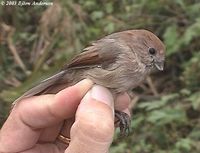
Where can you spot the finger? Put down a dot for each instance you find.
(122, 102)
(31, 115)
(44, 148)
(45, 110)
(93, 129)
(50, 133)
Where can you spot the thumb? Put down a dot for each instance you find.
(93, 129)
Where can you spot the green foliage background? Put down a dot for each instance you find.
(45, 37)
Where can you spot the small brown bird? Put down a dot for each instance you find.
(120, 62)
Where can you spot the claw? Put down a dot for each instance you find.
(124, 122)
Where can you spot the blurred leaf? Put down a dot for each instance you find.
(110, 27)
(181, 3)
(159, 103)
(137, 121)
(193, 10)
(191, 73)
(195, 99)
(171, 39)
(97, 15)
(184, 144)
(167, 115)
(192, 32)
(118, 149)
(109, 7)
(195, 134)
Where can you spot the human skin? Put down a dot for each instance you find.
(34, 123)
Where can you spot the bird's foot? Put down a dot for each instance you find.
(123, 120)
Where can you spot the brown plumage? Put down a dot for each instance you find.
(120, 62)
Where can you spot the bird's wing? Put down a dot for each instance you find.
(84, 59)
(99, 53)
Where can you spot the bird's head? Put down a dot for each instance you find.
(149, 49)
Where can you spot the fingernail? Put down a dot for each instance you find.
(84, 85)
(102, 94)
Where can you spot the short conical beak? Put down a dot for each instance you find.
(159, 65)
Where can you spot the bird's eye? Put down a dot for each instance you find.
(152, 51)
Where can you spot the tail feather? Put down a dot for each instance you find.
(42, 86)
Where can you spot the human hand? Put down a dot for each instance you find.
(34, 123)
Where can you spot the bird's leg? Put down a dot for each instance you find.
(124, 121)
